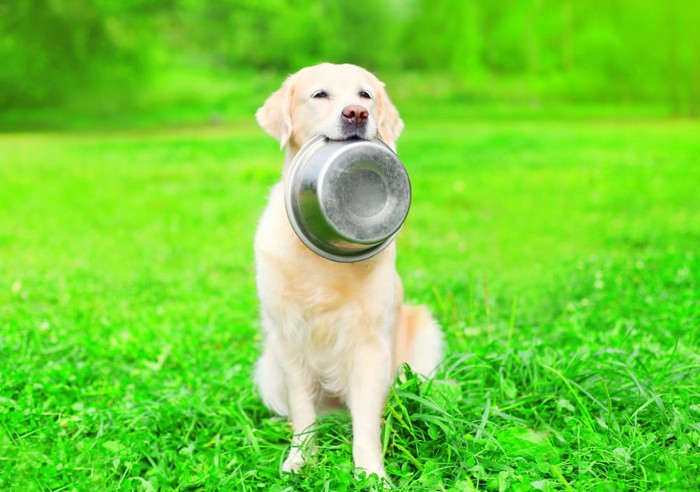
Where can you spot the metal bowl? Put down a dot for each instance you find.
(347, 200)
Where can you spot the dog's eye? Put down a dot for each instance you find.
(320, 95)
(365, 95)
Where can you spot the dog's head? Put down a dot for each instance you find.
(340, 102)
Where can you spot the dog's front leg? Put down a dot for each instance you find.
(368, 389)
(302, 414)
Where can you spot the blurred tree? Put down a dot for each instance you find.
(54, 49)
(364, 32)
(613, 50)
(271, 34)
(279, 34)
(436, 35)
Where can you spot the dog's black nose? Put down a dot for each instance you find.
(355, 114)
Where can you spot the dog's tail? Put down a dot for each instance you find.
(418, 340)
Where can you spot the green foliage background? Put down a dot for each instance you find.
(554, 235)
(100, 52)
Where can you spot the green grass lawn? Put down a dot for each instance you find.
(559, 254)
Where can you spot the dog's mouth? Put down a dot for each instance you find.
(354, 137)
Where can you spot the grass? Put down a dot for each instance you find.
(559, 254)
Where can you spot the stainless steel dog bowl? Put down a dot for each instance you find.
(347, 200)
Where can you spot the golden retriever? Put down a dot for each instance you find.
(334, 333)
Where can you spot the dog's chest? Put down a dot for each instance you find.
(322, 312)
(331, 342)
(335, 329)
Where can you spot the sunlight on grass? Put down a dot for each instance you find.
(560, 257)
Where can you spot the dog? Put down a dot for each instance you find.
(334, 334)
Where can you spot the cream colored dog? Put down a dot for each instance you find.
(334, 333)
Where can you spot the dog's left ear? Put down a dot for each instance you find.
(275, 116)
(389, 124)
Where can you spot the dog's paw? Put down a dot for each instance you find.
(379, 481)
(295, 461)
(368, 458)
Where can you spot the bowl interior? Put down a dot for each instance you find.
(347, 200)
(364, 193)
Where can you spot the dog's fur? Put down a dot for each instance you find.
(334, 333)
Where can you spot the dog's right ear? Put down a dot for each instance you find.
(275, 116)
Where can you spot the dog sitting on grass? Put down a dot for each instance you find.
(334, 333)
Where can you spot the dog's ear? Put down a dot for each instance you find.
(389, 124)
(275, 116)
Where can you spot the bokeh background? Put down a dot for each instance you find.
(554, 153)
(118, 59)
